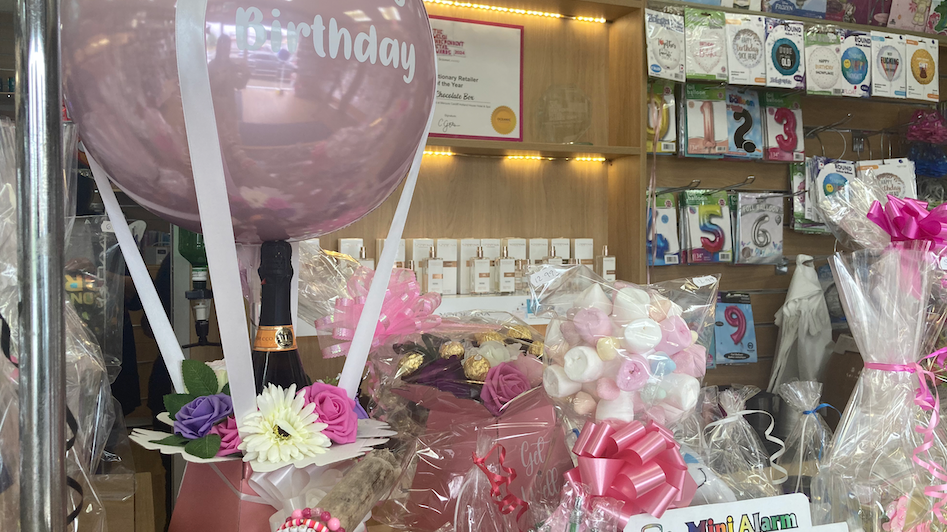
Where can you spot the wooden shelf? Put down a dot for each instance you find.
(502, 148)
(608, 9)
(657, 4)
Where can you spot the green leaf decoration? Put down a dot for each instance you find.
(199, 379)
(205, 447)
(226, 389)
(174, 439)
(173, 402)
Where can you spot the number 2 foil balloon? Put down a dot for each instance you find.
(319, 111)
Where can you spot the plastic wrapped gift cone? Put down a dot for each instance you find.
(319, 112)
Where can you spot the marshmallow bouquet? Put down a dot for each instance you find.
(623, 352)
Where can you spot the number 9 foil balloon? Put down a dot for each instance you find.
(320, 105)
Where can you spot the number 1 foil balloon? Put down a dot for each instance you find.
(319, 112)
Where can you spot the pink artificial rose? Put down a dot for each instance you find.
(229, 436)
(335, 409)
(503, 383)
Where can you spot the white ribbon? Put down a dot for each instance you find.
(207, 166)
(291, 488)
(737, 416)
(150, 302)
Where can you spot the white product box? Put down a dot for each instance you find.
(468, 250)
(399, 258)
(746, 49)
(561, 247)
(921, 68)
(492, 248)
(351, 246)
(515, 247)
(538, 249)
(888, 65)
(583, 249)
(419, 249)
(446, 249)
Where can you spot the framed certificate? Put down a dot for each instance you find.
(479, 80)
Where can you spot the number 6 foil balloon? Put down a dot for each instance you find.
(319, 104)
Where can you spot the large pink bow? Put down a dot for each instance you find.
(909, 219)
(640, 465)
(405, 311)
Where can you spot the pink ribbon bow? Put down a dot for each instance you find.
(405, 311)
(640, 465)
(929, 401)
(908, 219)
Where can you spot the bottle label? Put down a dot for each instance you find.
(278, 338)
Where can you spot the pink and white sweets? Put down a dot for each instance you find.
(626, 354)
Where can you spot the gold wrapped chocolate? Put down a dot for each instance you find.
(520, 332)
(537, 349)
(409, 364)
(476, 368)
(488, 337)
(452, 349)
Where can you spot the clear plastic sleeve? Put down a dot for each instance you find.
(842, 199)
(323, 279)
(734, 450)
(476, 510)
(810, 436)
(621, 351)
(869, 478)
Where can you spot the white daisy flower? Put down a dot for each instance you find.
(283, 429)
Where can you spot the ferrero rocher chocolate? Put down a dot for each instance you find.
(476, 368)
(488, 337)
(537, 349)
(452, 349)
(409, 364)
(520, 332)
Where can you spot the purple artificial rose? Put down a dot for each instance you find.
(196, 418)
(504, 382)
(229, 436)
(360, 412)
(445, 374)
(335, 409)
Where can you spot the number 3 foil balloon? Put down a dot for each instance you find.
(320, 105)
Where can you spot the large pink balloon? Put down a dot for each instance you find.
(317, 125)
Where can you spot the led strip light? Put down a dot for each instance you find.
(514, 11)
(432, 153)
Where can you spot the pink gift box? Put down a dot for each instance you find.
(209, 500)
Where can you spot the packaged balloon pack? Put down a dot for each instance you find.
(748, 5)
(909, 15)
(623, 352)
(887, 65)
(895, 177)
(707, 226)
(785, 140)
(666, 248)
(746, 49)
(842, 199)
(855, 80)
(798, 183)
(662, 117)
(744, 124)
(796, 8)
(823, 59)
(922, 78)
(665, 45)
(705, 119)
(785, 64)
(706, 44)
(759, 230)
(734, 332)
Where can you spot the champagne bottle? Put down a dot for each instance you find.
(275, 357)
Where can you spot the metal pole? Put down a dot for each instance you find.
(40, 219)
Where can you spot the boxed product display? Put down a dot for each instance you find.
(746, 49)
(785, 46)
(759, 228)
(744, 124)
(734, 331)
(856, 64)
(707, 227)
(922, 79)
(785, 140)
(705, 120)
(796, 8)
(705, 44)
(665, 45)
(662, 112)
(888, 65)
(823, 59)
(666, 248)
(909, 15)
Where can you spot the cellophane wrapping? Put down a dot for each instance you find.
(734, 451)
(620, 351)
(844, 207)
(323, 279)
(475, 510)
(809, 439)
(869, 478)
